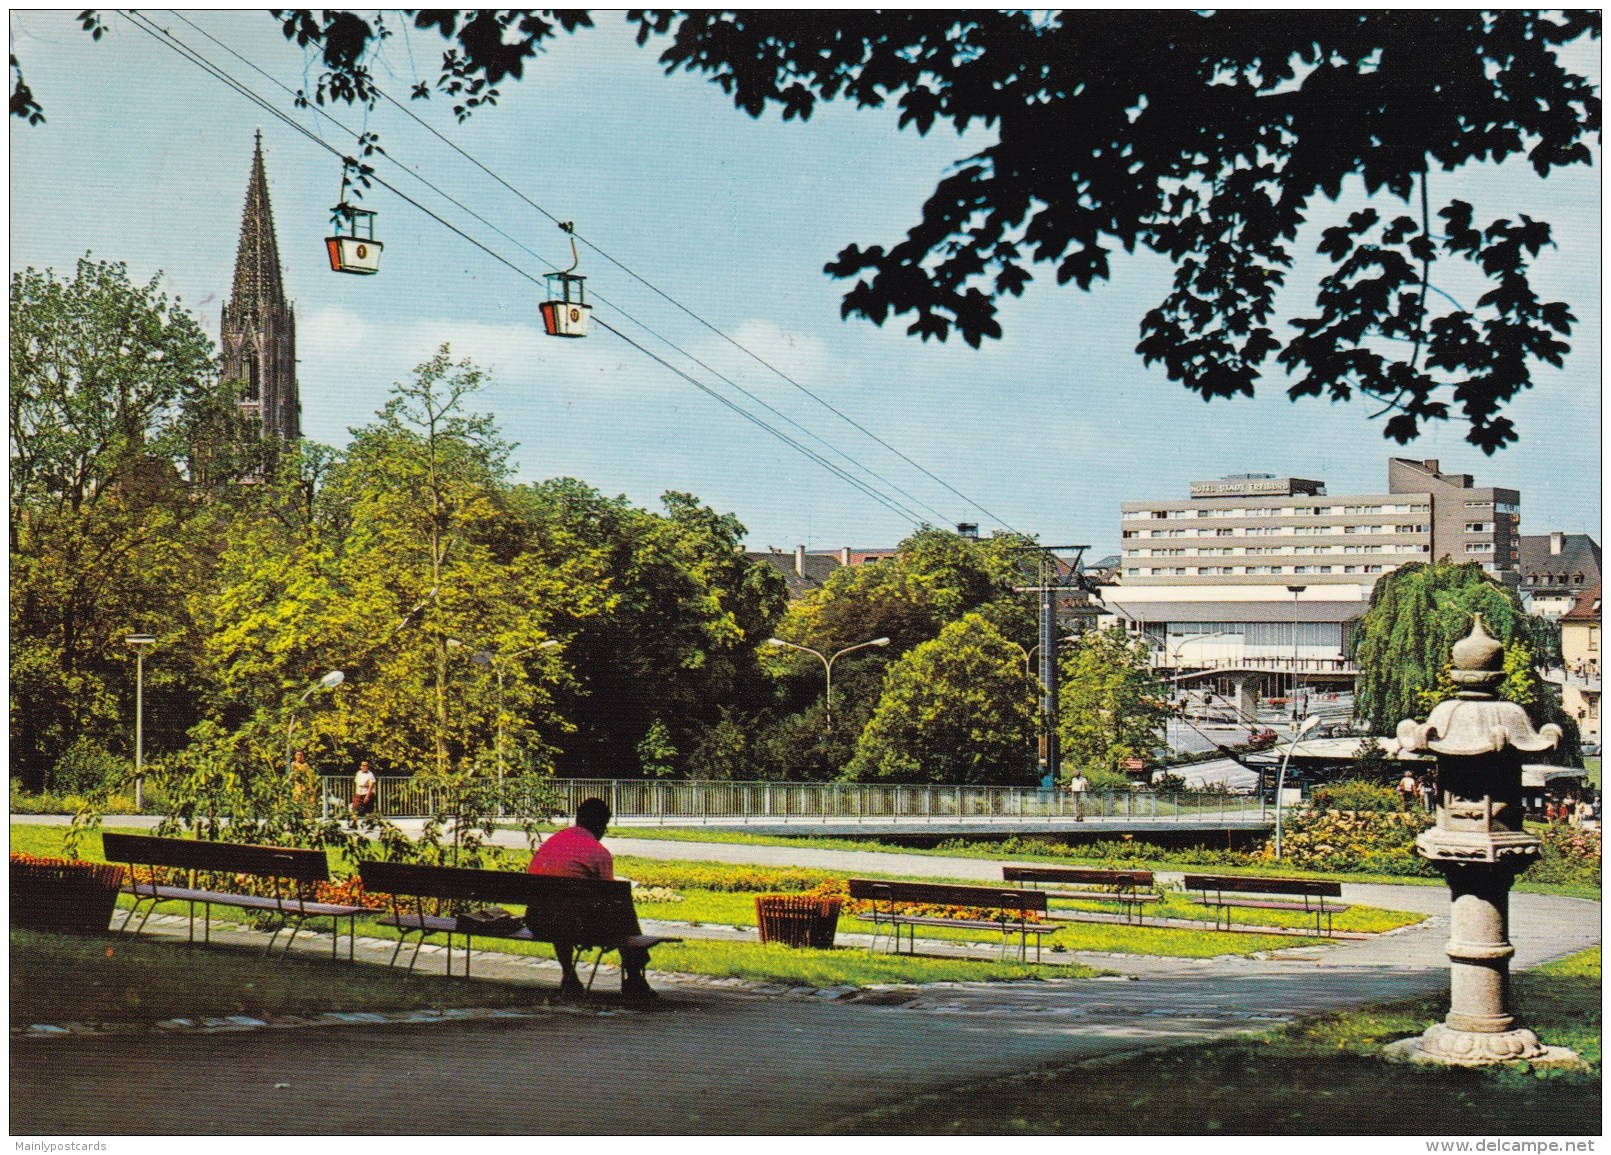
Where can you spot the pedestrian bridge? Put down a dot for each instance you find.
(859, 809)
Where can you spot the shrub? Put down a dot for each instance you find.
(1571, 856)
(85, 768)
(1371, 841)
(1355, 794)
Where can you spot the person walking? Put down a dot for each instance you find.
(1077, 786)
(1407, 790)
(365, 789)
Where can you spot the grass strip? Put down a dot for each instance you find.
(61, 979)
(1322, 1075)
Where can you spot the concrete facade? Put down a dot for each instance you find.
(1257, 572)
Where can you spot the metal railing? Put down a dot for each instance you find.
(640, 802)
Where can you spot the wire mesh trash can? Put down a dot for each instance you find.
(796, 921)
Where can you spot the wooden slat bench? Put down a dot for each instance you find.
(292, 873)
(586, 912)
(1012, 908)
(1131, 889)
(1219, 893)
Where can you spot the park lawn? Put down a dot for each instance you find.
(60, 979)
(736, 908)
(1322, 1075)
(1183, 905)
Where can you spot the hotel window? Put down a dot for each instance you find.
(1362, 509)
(1507, 507)
(1132, 572)
(1479, 527)
(1224, 533)
(1350, 569)
(1478, 504)
(1130, 533)
(1325, 569)
(1373, 569)
(1409, 529)
(1479, 547)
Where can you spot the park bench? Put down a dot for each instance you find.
(468, 903)
(1131, 889)
(1220, 893)
(1012, 907)
(208, 868)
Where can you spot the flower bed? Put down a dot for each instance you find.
(57, 894)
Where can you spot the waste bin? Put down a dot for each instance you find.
(59, 895)
(797, 921)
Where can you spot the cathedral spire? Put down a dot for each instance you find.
(257, 260)
(258, 333)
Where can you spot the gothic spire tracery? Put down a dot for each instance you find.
(257, 260)
(258, 330)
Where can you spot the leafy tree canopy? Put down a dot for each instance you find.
(934, 578)
(1403, 642)
(1207, 137)
(1111, 705)
(953, 710)
(108, 378)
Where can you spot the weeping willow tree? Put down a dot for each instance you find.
(1416, 614)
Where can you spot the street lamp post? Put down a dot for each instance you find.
(498, 666)
(499, 662)
(1294, 591)
(827, 666)
(1309, 723)
(329, 682)
(139, 642)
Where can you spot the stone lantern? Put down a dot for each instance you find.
(1480, 846)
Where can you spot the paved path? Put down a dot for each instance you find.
(712, 1058)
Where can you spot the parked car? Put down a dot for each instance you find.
(1591, 749)
(1261, 739)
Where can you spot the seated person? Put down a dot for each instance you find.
(576, 852)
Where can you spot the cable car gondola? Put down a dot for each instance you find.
(352, 252)
(566, 311)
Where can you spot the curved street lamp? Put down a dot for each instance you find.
(827, 665)
(1309, 723)
(329, 682)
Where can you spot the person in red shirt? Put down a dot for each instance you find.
(576, 852)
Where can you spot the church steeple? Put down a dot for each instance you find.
(257, 261)
(258, 332)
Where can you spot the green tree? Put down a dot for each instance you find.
(953, 711)
(1210, 138)
(666, 631)
(106, 532)
(1403, 642)
(934, 578)
(1111, 705)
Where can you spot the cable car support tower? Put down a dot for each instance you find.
(1065, 594)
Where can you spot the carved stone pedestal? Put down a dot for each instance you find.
(1480, 846)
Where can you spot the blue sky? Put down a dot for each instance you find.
(144, 159)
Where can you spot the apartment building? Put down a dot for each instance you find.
(1259, 571)
(1261, 530)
